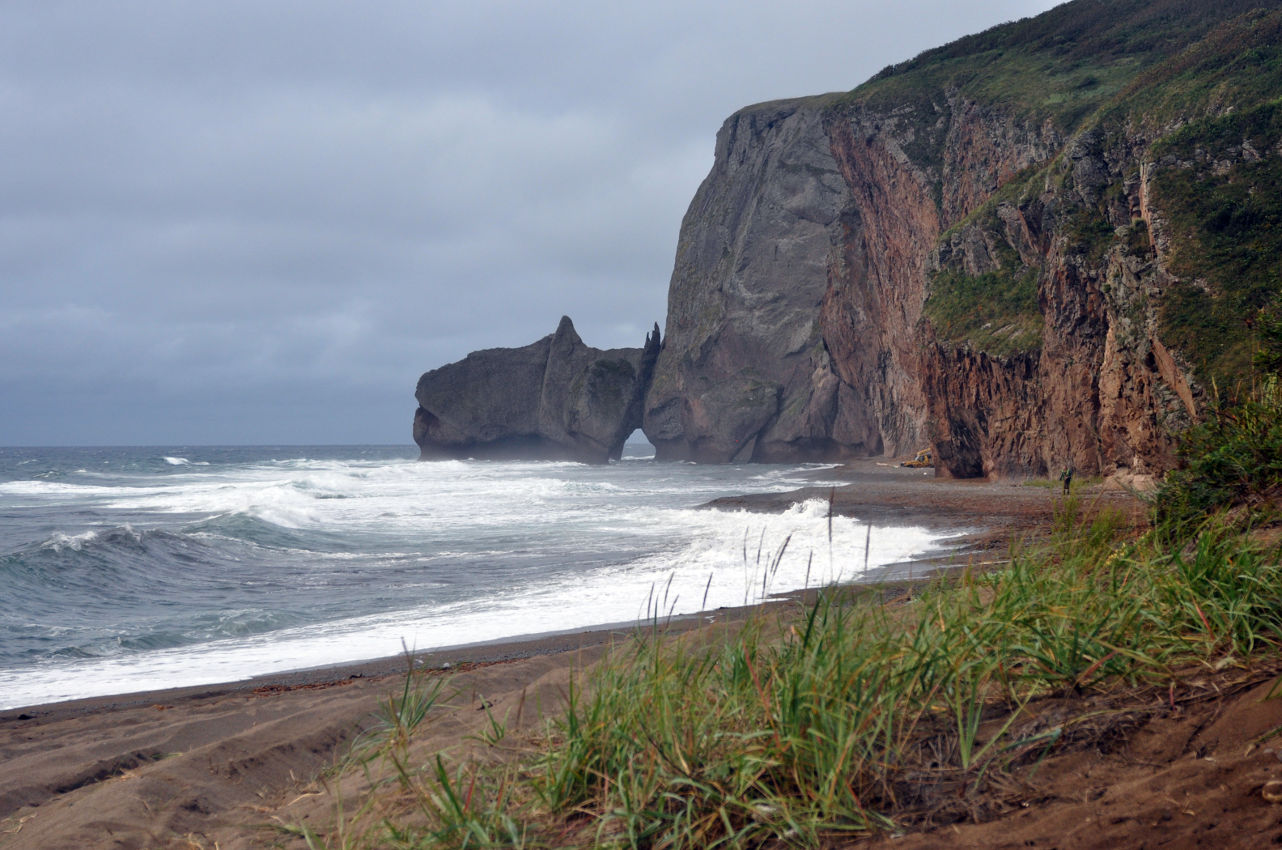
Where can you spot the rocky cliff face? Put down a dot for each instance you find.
(745, 374)
(1032, 249)
(1091, 384)
(985, 262)
(555, 399)
(793, 313)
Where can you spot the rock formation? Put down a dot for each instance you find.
(958, 253)
(1030, 249)
(745, 373)
(556, 399)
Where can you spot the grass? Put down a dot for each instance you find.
(1232, 461)
(995, 312)
(1063, 66)
(1079, 52)
(1079, 483)
(844, 718)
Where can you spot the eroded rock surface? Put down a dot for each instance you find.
(1030, 249)
(556, 399)
(744, 373)
(793, 328)
(1014, 275)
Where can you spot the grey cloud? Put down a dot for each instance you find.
(237, 221)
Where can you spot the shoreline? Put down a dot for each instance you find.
(216, 765)
(981, 516)
(515, 647)
(203, 766)
(480, 653)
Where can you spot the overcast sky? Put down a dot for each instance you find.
(260, 222)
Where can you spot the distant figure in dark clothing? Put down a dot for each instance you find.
(1067, 477)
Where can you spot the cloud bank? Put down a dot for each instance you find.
(246, 222)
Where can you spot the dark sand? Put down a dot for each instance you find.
(226, 766)
(216, 765)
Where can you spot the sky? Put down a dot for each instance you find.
(259, 221)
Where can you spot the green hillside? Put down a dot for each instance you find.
(1187, 89)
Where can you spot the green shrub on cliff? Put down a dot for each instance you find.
(1061, 65)
(1231, 461)
(1220, 183)
(995, 312)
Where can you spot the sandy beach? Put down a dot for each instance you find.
(229, 766)
(218, 766)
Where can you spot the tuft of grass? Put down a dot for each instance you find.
(995, 311)
(1230, 461)
(848, 716)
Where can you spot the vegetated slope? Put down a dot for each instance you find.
(1032, 248)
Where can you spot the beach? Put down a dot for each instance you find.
(219, 766)
(146, 568)
(238, 765)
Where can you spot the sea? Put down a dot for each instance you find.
(140, 568)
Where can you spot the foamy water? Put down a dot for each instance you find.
(134, 569)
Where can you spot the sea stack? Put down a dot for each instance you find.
(555, 399)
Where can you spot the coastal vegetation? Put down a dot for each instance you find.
(1232, 462)
(1079, 62)
(1194, 86)
(886, 709)
(869, 710)
(1226, 227)
(994, 311)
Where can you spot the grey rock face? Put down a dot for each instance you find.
(556, 399)
(744, 374)
(795, 327)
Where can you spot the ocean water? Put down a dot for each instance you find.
(130, 569)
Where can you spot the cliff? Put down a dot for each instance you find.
(556, 399)
(1033, 248)
(745, 373)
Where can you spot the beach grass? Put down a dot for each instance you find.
(861, 711)
(843, 717)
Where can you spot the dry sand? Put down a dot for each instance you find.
(226, 766)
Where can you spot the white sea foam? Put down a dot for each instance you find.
(731, 558)
(54, 489)
(60, 542)
(533, 547)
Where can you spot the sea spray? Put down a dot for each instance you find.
(125, 571)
